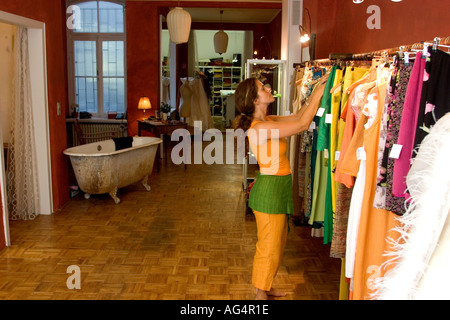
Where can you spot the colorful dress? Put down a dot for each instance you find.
(375, 225)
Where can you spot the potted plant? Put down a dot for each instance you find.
(74, 110)
(165, 109)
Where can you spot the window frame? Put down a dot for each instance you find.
(99, 38)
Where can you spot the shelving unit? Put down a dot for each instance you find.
(221, 78)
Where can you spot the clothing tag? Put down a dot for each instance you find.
(325, 154)
(320, 112)
(312, 126)
(336, 155)
(361, 154)
(329, 118)
(395, 151)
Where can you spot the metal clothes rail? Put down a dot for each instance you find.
(437, 42)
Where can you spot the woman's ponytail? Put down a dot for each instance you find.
(243, 122)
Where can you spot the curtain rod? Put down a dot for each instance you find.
(369, 55)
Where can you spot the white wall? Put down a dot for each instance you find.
(205, 44)
(7, 68)
(291, 48)
(165, 43)
(37, 57)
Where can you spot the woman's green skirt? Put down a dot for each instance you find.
(272, 194)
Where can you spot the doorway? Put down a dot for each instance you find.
(37, 60)
(221, 72)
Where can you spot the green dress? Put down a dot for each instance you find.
(321, 199)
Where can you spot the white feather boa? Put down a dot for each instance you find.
(421, 256)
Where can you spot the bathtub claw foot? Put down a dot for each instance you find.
(113, 195)
(145, 184)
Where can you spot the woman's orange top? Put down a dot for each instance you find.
(271, 156)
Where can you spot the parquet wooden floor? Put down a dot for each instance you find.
(189, 238)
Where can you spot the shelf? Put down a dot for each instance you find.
(221, 78)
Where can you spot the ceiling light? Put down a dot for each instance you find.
(220, 39)
(179, 25)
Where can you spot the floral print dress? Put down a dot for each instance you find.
(389, 133)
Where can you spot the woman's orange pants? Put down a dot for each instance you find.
(272, 235)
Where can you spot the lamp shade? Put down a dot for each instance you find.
(179, 25)
(220, 42)
(144, 103)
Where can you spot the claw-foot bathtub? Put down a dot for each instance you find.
(100, 169)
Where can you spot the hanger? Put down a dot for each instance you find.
(407, 54)
(336, 89)
(436, 43)
(369, 85)
(368, 78)
(364, 79)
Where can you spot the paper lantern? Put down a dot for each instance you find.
(179, 25)
(220, 42)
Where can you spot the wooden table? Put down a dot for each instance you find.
(160, 129)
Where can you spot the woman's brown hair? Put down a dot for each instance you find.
(245, 95)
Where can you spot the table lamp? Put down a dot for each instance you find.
(144, 104)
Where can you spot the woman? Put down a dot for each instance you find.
(271, 195)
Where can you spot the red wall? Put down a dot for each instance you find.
(342, 28)
(52, 13)
(143, 59)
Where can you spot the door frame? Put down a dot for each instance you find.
(39, 92)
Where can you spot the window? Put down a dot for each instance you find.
(96, 54)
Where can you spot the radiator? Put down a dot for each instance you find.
(93, 132)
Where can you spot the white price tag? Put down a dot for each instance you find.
(329, 118)
(312, 126)
(395, 151)
(337, 155)
(325, 154)
(361, 154)
(320, 112)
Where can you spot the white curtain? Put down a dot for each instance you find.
(22, 191)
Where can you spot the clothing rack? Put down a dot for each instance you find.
(435, 43)
(335, 58)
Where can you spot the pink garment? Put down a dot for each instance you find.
(407, 131)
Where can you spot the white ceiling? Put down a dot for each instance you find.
(232, 15)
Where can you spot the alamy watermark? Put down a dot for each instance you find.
(222, 149)
(74, 280)
(374, 21)
(74, 20)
